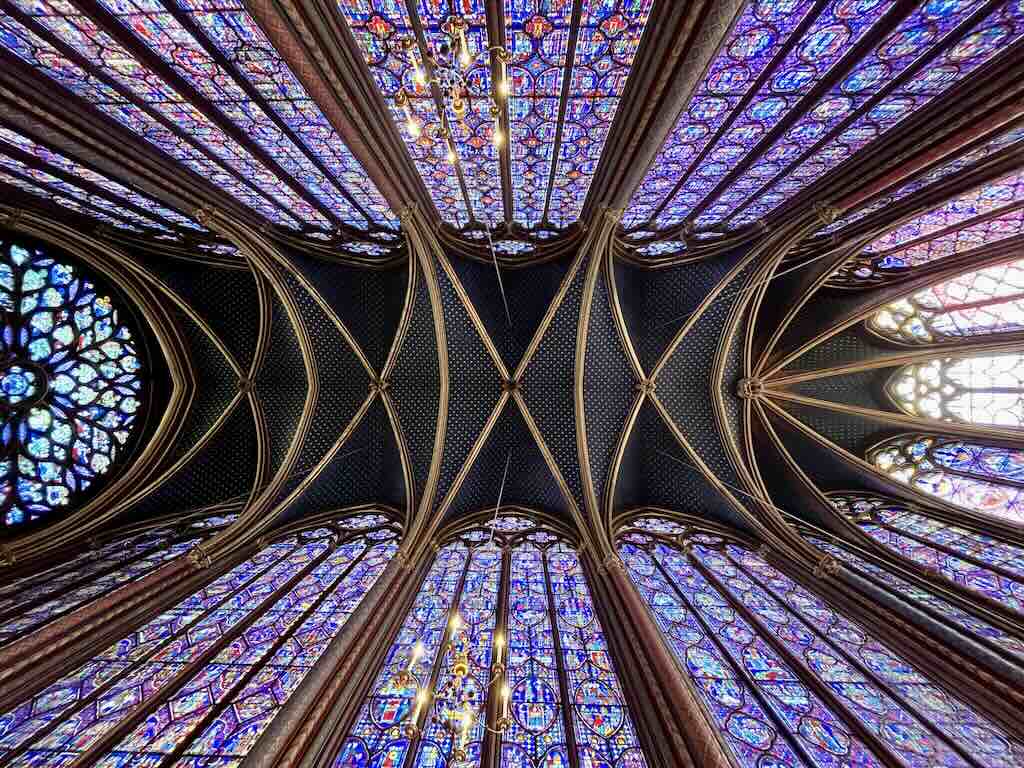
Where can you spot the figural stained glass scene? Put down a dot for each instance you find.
(512, 384)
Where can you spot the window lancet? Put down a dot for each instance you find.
(984, 301)
(788, 680)
(71, 383)
(201, 681)
(979, 389)
(539, 664)
(30, 602)
(977, 477)
(974, 560)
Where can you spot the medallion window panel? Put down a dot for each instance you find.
(30, 603)
(939, 46)
(1004, 643)
(974, 476)
(203, 680)
(72, 384)
(73, 52)
(543, 690)
(977, 389)
(985, 216)
(966, 557)
(981, 302)
(788, 680)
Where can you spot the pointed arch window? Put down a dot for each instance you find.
(984, 216)
(540, 683)
(30, 602)
(788, 680)
(200, 682)
(984, 301)
(938, 608)
(976, 389)
(974, 560)
(974, 476)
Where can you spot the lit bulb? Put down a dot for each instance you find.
(414, 128)
(464, 58)
(418, 77)
(498, 137)
(503, 88)
(456, 622)
(451, 156)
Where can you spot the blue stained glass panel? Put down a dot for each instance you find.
(103, 74)
(376, 738)
(236, 35)
(70, 387)
(609, 35)
(881, 104)
(380, 31)
(760, 33)
(832, 33)
(603, 725)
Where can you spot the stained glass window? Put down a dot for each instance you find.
(716, 168)
(981, 302)
(538, 680)
(980, 217)
(964, 163)
(981, 389)
(71, 383)
(201, 681)
(71, 50)
(788, 680)
(981, 478)
(924, 599)
(26, 604)
(973, 560)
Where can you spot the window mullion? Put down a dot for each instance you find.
(741, 672)
(879, 748)
(111, 738)
(856, 664)
(257, 666)
(101, 690)
(563, 685)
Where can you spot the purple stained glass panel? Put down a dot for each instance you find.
(883, 104)
(105, 76)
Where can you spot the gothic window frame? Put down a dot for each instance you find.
(231, 628)
(698, 534)
(363, 738)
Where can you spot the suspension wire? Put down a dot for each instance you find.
(501, 492)
(744, 289)
(497, 271)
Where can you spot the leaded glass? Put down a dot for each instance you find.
(98, 70)
(608, 36)
(28, 603)
(713, 168)
(71, 384)
(10, 138)
(557, 687)
(981, 389)
(973, 560)
(874, 98)
(924, 599)
(981, 478)
(964, 163)
(751, 639)
(380, 32)
(981, 302)
(202, 681)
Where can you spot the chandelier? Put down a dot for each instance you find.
(446, 67)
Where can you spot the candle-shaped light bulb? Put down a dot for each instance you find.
(414, 128)
(456, 622)
(465, 58)
(506, 694)
(503, 87)
(451, 156)
(497, 137)
(467, 719)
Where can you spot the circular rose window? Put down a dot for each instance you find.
(70, 383)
